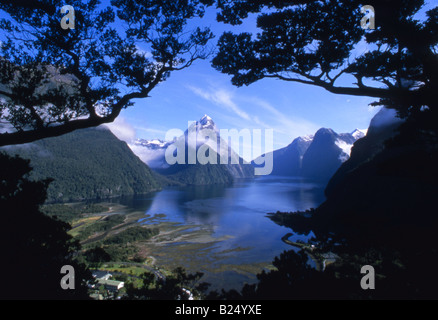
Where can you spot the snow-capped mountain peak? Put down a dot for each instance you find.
(306, 138)
(359, 133)
(205, 122)
(199, 134)
(201, 130)
(345, 143)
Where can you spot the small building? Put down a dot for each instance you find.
(111, 285)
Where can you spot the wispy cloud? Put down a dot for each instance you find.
(221, 98)
(285, 126)
(230, 102)
(122, 129)
(150, 130)
(286, 122)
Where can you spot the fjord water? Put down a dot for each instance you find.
(235, 216)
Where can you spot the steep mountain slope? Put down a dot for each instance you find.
(382, 127)
(315, 156)
(87, 164)
(197, 174)
(385, 194)
(288, 160)
(325, 154)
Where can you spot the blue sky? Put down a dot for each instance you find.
(290, 109)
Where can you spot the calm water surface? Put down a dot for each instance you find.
(236, 216)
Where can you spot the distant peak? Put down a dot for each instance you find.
(324, 131)
(308, 137)
(359, 133)
(206, 120)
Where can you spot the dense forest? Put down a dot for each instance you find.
(87, 164)
(199, 174)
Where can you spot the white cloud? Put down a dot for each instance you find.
(122, 129)
(289, 127)
(227, 100)
(286, 128)
(222, 98)
(153, 158)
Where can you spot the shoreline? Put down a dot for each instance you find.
(193, 247)
(319, 263)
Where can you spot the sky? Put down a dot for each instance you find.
(290, 109)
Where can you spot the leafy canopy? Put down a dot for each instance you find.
(322, 43)
(53, 81)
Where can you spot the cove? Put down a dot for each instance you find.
(222, 230)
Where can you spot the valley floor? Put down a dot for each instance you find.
(175, 245)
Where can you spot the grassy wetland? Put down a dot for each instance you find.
(135, 242)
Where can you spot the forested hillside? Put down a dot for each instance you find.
(87, 164)
(198, 174)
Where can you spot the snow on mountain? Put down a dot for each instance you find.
(306, 138)
(346, 149)
(345, 142)
(205, 123)
(152, 144)
(359, 133)
(199, 133)
(287, 161)
(326, 153)
(315, 156)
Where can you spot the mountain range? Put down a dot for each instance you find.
(315, 156)
(93, 163)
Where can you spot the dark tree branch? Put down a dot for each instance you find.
(294, 44)
(361, 90)
(20, 137)
(103, 61)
